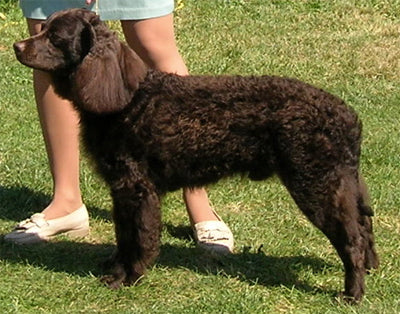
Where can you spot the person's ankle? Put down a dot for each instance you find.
(202, 214)
(57, 209)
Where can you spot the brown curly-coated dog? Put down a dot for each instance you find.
(150, 132)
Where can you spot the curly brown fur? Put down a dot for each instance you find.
(150, 132)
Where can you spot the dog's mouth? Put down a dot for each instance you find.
(26, 54)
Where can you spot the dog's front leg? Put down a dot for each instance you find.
(137, 221)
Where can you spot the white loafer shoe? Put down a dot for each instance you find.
(214, 236)
(38, 229)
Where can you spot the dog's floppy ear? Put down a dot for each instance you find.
(85, 40)
(108, 77)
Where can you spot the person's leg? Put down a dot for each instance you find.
(154, 41)
(60, 126)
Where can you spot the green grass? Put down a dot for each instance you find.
(282, 264)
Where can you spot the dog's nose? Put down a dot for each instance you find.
(19, 46)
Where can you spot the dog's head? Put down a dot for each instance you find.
(65, 39)
(87, 62)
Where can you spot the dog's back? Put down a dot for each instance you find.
(199, 129)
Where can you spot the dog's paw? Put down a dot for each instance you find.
(351, 300)
(119, 276)
(115, 282)
(112, 281)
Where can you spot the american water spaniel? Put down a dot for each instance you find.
(151, 132)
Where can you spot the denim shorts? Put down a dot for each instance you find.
(107, 9)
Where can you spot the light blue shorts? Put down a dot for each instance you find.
(107, 9)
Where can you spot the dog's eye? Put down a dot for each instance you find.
(55, 39)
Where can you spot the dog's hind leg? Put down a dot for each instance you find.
(338, 209)
(137, 222)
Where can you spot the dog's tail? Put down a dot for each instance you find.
(351, 231)
(364, 204)
(352, 192)
(366, 212)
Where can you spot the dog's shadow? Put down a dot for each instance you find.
(252, 267)
(86, 259)
(83, 259)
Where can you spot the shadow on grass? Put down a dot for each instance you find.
(76, 258)
(80, 258)
(18, 203)
(252, 267)
(83, 259)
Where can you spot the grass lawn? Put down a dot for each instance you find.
(282, 264)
